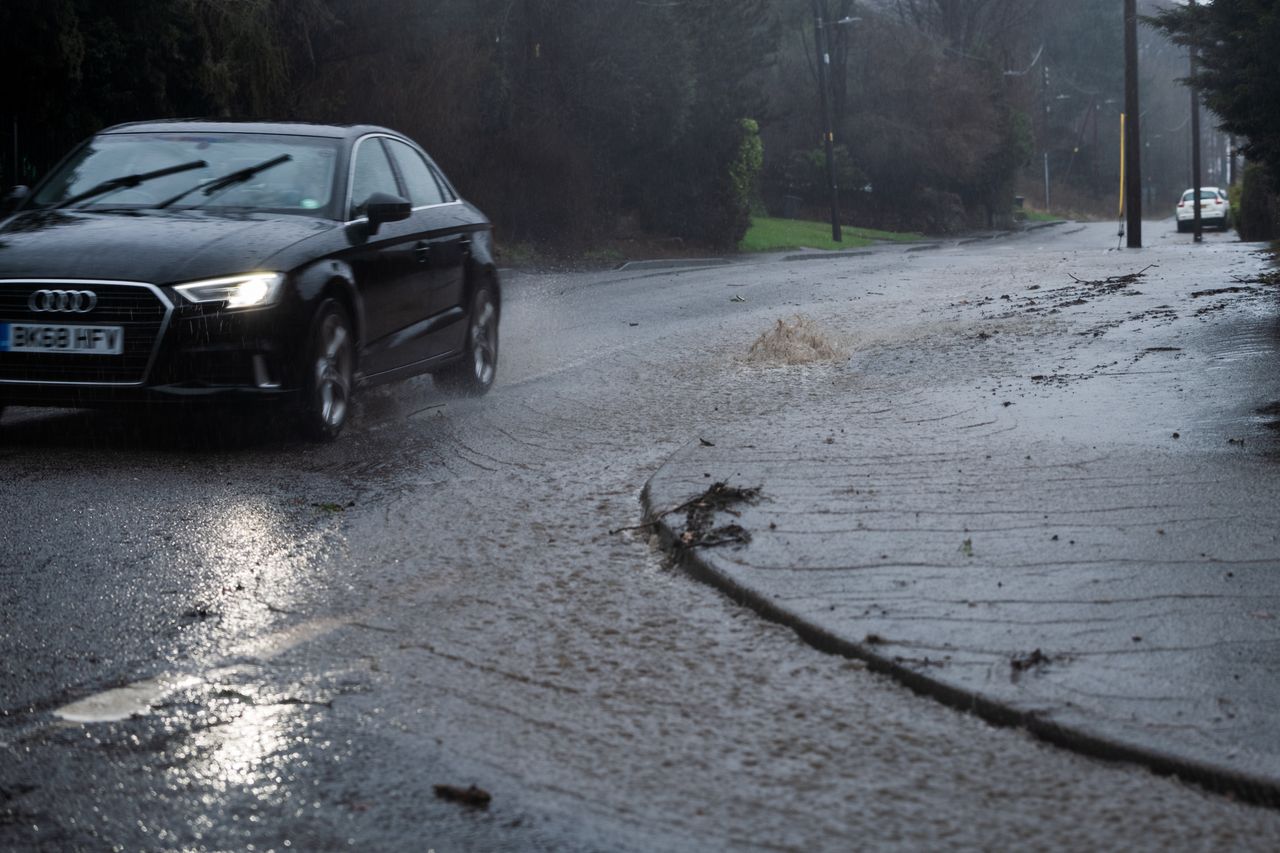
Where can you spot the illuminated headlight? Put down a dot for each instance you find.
(253, 290)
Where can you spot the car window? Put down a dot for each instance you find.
(301, 183)
(422, 186)
(372, 174)
(449, 194)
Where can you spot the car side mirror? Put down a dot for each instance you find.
(14, 199)
(380, 208)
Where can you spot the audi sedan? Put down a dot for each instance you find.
(219, 261)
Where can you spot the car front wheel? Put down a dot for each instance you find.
(328, 373)
(473, 374)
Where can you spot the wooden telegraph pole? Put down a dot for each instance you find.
(1195, 143)
(1133, 138)
(824, 85)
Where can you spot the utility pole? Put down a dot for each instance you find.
(1095, 158)
(828, 137)
(1044, 131)
(1133, 138)
(1195, 142)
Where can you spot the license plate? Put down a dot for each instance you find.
(85, 340)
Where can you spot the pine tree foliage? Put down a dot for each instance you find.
(1239, 68)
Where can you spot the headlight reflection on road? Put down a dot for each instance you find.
(243, 750)
(255, 560)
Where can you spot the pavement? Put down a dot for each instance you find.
(1053, 503)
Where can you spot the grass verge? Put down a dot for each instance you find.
(778, 235)
(1030, 215)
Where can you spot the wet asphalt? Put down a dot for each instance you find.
(316, 637)
(1072, 528)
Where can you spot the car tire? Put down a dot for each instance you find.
(473, 374)
(1182, 227)
(328, 373)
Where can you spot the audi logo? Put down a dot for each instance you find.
(64, 301)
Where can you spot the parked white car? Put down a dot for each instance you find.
(1214, 209)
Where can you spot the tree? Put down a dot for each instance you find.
(933, 129)
(101, 62)
(728, 47)
(1239, 68)
(562, 118)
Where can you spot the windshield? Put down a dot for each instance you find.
(304, 183)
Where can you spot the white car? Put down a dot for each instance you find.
(1214, 209)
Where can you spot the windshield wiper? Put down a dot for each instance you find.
(129, 181)
(226, 181)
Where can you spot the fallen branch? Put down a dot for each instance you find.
(719, 496)
(1129, 278)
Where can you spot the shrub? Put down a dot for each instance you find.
(1259, 214)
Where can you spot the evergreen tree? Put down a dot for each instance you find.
(1239, 68)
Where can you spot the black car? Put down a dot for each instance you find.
(192, 261)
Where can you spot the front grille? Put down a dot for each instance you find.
(141, 310)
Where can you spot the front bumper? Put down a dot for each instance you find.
(174, 351)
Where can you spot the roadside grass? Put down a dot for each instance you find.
(1036, 215)
(777, 235)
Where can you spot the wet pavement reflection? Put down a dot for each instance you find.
(438, 599)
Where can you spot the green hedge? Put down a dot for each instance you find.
(1257, 213)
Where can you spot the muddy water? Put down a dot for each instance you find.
(572, 673)
(494, 631)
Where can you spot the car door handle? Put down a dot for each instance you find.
(422, 251)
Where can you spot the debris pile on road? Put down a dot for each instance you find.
(471, 796)
(798, 341)
(1114, 282)
(1271, 277)
(1033, 660)
(700, 513)
(1217, 291)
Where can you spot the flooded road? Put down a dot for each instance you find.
(289, 645)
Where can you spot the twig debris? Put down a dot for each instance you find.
(700, 515)
(1115, 280)
(476, 798)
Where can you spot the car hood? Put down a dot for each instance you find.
(156, 247)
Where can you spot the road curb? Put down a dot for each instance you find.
(671, 263)
(826, 256)
(1246, 787)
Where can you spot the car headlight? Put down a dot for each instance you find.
(252, 290)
